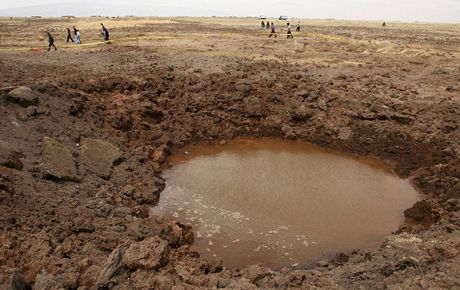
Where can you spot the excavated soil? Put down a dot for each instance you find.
(84, 133)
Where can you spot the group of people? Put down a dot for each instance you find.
(272, 28)
(76, 36)
(105, 33)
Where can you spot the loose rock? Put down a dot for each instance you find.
(45, 281)
(58, 162)
(10, 157)
(149, 254)
(12, 279)
(24, 96)
(253, 106)
(99, 157)
(113, 266)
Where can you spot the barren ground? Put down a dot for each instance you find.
(81, 149)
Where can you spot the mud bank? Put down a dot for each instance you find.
(81, 152)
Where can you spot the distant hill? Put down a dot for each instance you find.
(87, 9)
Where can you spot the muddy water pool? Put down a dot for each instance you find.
(281, 203)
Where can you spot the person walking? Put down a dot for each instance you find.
(289, 31)
(298, 27)
(78, 37)
(69, 36)
(105, 33)
(273, 30)
(50, 41)
(76, 34)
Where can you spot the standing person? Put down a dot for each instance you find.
(50, 41)
(268, 25)
(289, 31)
(102, 30)
(69, 35)
(298, 27)
(105, 33)
(262, 24)
(273, 30)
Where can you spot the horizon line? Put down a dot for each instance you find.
(230, 16)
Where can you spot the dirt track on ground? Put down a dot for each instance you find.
(80, 152)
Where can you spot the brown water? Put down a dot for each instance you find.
(281, 203)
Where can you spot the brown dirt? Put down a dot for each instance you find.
(80, 167)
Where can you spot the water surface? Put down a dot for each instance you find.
(281, 203)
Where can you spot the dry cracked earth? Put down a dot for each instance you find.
(84, 133)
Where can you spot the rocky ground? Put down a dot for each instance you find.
(84, 133)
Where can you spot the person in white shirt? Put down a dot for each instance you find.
(289, 31)
(273, 31)
(77, 37)
(76, 33)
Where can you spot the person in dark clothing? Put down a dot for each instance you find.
(262, 24)
(268, 25)
(298, 27)
(50, 41)
(105, 33)
(273, 31)
(69, 36)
